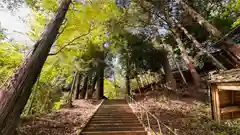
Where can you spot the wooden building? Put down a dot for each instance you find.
(225, 94)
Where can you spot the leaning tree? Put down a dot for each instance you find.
(15, 93)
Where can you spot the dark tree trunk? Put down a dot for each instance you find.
(15, 93)
(100, 83)
(77, 85)
(89, 88)
(73, 83)
(84, 88)
(127, 85)
(94, 82)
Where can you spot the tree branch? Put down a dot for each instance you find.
(71, 42)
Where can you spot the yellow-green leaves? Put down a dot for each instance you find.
(37, 24)
(50, 5)
(10, 58)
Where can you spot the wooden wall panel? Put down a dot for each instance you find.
(225, 98)
(237, 97)
(225, 116)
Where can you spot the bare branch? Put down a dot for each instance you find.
(63, 47)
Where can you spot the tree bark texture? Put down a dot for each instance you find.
(77, 85)
(84, 88)
(94, 82)
(128, 87)
(100, 82)
(73, 83)
(15, 93)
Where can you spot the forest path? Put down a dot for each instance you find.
(114, 117)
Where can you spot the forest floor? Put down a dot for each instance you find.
(66, 121)
(186, 114)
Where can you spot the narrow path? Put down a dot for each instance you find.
(114, 117)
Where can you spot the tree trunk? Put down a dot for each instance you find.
(94, 82)
(84, 88)
(77, 85)
(73, 83)
(198, 45)
(15, 93)
(89, 86)
(188, 60)
(100, 83)
(127, 85)
(170, 80)
(227, 45)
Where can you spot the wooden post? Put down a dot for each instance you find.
(215, 103)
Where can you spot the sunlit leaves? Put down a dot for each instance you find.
(10, 58)
(37, 24)
(236, 23)
(50, 5)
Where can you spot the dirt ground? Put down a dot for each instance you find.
(66, 121)
(185, 114)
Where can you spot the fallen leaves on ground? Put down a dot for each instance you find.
(66, 121)
(184, 115)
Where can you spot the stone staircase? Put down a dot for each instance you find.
(114, 117)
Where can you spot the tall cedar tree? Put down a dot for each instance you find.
(15, 93)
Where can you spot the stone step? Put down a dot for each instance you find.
(115, 133)
(115, 129)
(116, 124)
(114, 117)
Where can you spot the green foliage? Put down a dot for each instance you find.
(138, 50)
(111, 92)
(232, 10)
(88, 25)
(79, 43)
(10, 58)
